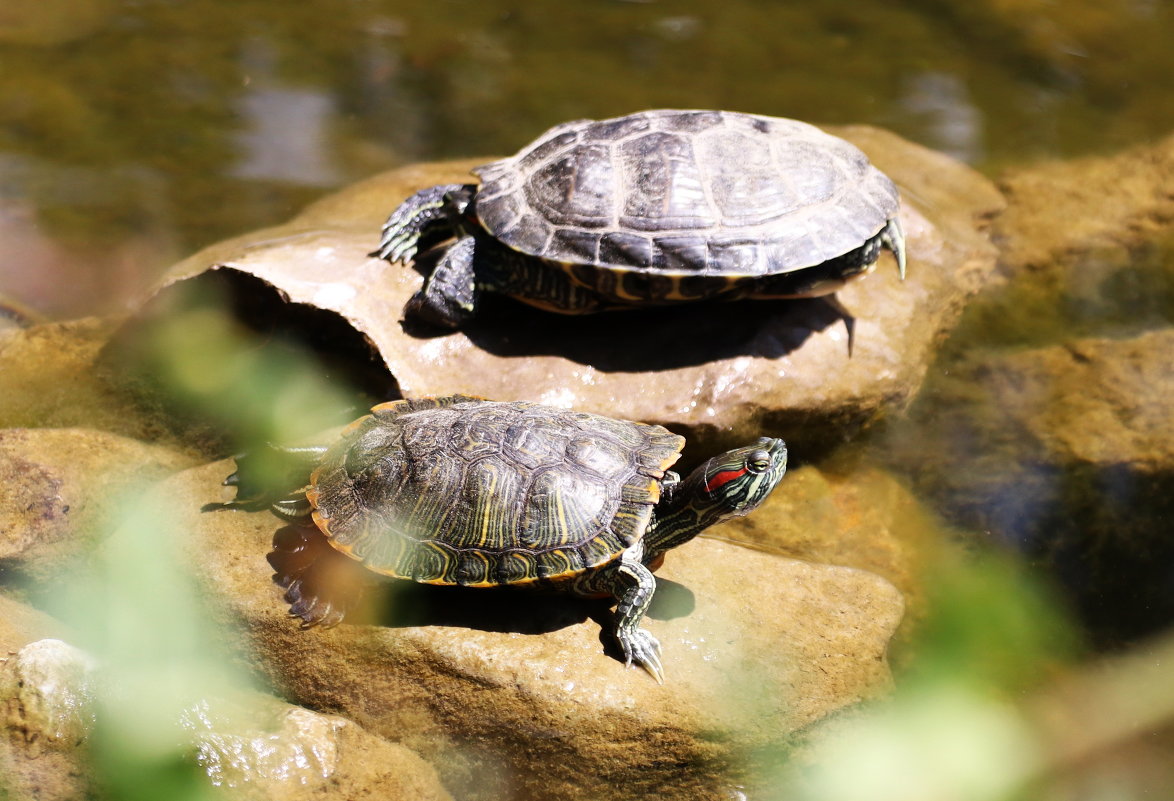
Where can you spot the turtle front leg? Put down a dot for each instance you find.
(427, 217)
(638, 644)
(449, 296)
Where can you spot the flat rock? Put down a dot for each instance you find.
(52, 378)
(720, 371)
(863, 518)
(64, 487)
(520, 695)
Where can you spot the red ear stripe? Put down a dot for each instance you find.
(724, 477)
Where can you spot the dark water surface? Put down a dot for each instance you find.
(134, 131)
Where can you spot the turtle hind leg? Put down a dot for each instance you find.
(893, 238)
(275, 477)
(321, 584)
(449, 296)
(426, 218)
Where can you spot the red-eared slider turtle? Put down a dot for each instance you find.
(657, 207)
(462, 491)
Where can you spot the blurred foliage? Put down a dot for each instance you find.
(995, 705)
(174, 718)
(990, 624)
(138, 612)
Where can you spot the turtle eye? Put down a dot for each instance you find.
(758, 462)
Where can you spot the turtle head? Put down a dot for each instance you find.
(732, 484)
(737, 481)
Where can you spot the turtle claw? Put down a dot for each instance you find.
(642, 647)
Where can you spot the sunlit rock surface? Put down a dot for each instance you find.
(865, 519)
(267, 750)
(521, 695)
(65, 487)
(720, 371)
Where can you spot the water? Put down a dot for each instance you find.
(133, 132)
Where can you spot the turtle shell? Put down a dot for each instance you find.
(457, 490)
(708, 193)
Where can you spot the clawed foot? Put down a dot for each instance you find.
(642, 647)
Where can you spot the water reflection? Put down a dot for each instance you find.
(243, 113)
(286, 137)
(947, 114)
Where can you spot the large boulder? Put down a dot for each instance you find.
(722, 372)
(521, 695)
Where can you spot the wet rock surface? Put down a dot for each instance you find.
(31, 765)
(1060, 210)
(521, 695)
(723, 372)
(1048, 423)
(1076, 468)
(285, 752)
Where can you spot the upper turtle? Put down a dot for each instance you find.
(658, 207)
(686, 192)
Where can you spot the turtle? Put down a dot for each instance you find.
(458, 490)
(653, 208)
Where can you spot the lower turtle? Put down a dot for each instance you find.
(464, 491)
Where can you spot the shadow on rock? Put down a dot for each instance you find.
(661, 338)
(511, 609)
(403, 603)
(323, 586)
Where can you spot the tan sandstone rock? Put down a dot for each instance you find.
(520, 695)
(63, 490)
(722, 372)
(864, 518)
